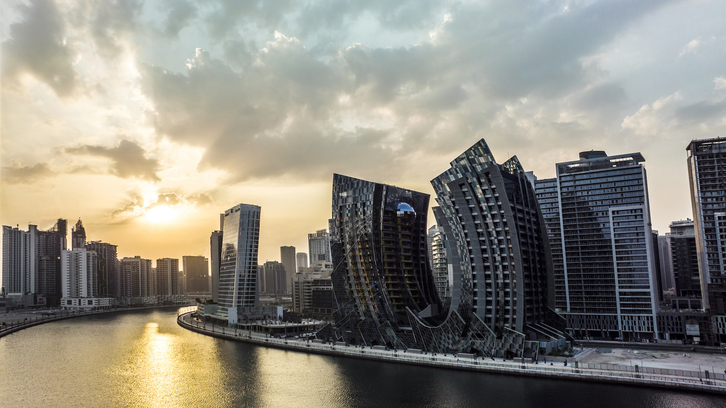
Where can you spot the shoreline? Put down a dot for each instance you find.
(449, 362)
(14, 329)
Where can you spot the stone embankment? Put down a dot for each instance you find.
(462, 362)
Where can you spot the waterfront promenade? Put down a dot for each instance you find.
(13, 322)
(686, 382)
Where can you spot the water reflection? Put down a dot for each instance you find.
(146, 360)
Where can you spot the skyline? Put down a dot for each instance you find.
(147, 122)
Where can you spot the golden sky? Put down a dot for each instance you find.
(146, 119)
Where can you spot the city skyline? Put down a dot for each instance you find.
(153, 119)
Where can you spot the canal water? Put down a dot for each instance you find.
(144, 359)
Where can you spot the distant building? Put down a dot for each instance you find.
(196, 269)
(666, 263)
(108, 280)
(287, 257)
(706, 170)
(319, 246)
(238, 267)
(78, 273)
(275, 278)
(439, 265)
(78, 235)
(302, 261)
(50, 245)
(597, 213)
(684, 256)
(20, 260)
(215, 247)
(303, 287)
(136, 277)
(167, 277)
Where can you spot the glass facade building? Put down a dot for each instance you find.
(598, 220)
(707, 176)
(238, 264)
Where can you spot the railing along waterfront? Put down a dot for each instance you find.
(705, 383)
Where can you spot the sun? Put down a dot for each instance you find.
(160, 214)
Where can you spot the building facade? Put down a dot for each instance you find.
(684, 259)
(196, 271)
(598, 218)
(50, 245)
(289, 261)
(301, 259)
(136, 277)
(78, 236)
(215, 249)
(20, 260)
(275, 278)
(319, 246)
(108, 282)
(706, 170)
(167, 277)
(79, 274)
(238, 264)
(438, 261)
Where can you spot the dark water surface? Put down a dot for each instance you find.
(144, 359)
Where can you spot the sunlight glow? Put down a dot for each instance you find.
(160, 214)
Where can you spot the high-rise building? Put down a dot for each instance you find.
(167, 277)
(302, 261)
(238, 266)
(50, 245)
(304, 286)
(79, 274)
(275, 278)
(287, 257)
(491, 219)
(78, 236)
(381, 275)
(666, 263)
(598, 219)
(319, 246)
(108, 281)
(196, 269)
(684, 258)
(707, 176)
(215, 249)
(20, 260)
(136, 277)
(437, 259)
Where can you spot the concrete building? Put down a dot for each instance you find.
(50, 245)
(215, 247)
(597, 213)
(303, 286)
(79, 274)
(238, 267)
(20, 260)
(167, 277)
(78, 235)
(287, 256)
(276, 282)
(439, 264)
(319, 246)
(301, 261)
(107, 268)
(706, 169)
(666, 263)
(196, 271)
(137, 278)
(684, 259)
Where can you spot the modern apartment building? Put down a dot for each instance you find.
(319, 246)
(196, 271)
(79, 274)
(137, 278)
(598, 219)
(289, 261)
(167, 277)
(107, 268)
(707, 176)
(238, 266)
(301, 259)
(20, 260)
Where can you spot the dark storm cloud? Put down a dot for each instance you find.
(128, 159)
(37, 46)
(19, 174)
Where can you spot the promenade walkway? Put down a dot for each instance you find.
(550, 370)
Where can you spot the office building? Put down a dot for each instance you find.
(107, 268)
(215, 248)
(20, 260)
(238, 266)
(79, 274)
(684, 258)
(287, 256)
(319, 246)
(275, 278)
(310, 287)
(136, 277)
(78, 236)
(301, 261)
(196, 271)
(666, 263)
(50, 245)
(598, 219)
(167, 277)
(706, 170)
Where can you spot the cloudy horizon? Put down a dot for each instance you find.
(147, 119)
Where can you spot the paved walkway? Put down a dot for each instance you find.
(553, 370)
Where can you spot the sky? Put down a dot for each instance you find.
(147, 119)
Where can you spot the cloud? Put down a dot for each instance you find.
(653, 119)
(719, 83)
(690, 47)
(128, 159)
(111, 22)
(16, 173)
(140, 206)
(38, 46)
(179, 16)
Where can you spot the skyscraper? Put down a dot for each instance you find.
(491, 219)
(598, 220)
(107, 268)
(167, 277)
(79, 275)
(78, 236)
(50, 245)
(381, 275)
(136, 277)
(215, 249)
(707, 176)
(196, 269)
(319, 246)
(301, 261)
(684, 258)
(287, 257)
(437, 259)
(275, 278)
(20, 260)
(238, 267)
